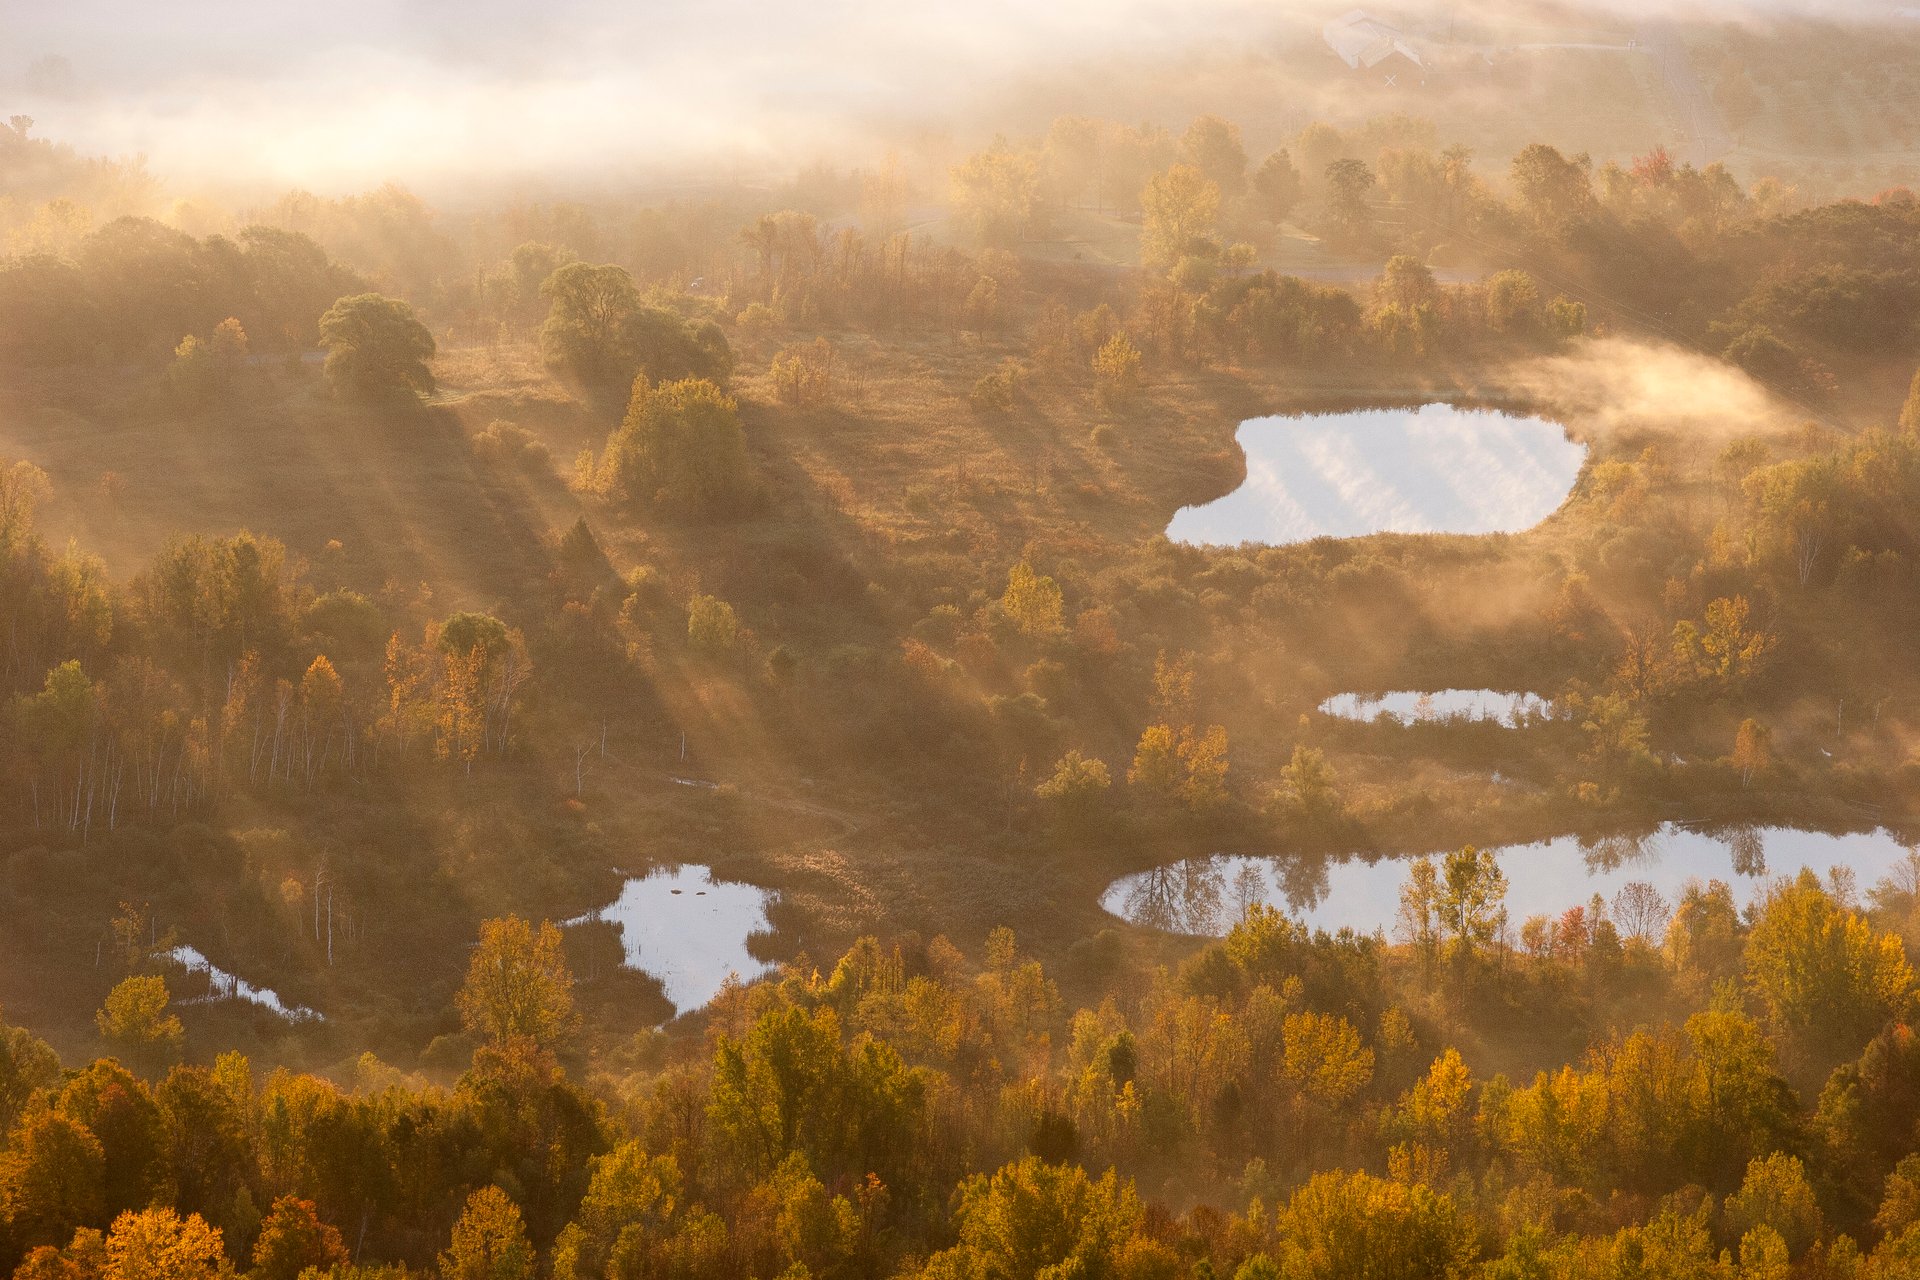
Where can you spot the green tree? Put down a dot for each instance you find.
(376, 348)
(711, 625)
(1349, 184)
(1307, 792)
(489, 1241)
(601, 332)
(1826, 977)
(135, 1020)
(1406, 283)
(589, 311)
(518, 985)
(1277, 184)
(1616, 737)
(1417, 922)
(680, 446)
(1471, 903)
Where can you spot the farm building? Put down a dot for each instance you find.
(1364, 42)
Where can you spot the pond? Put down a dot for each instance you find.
(687, 929)
(1204, 896)
(1409, 706)
(1434, 469)
(222, 985)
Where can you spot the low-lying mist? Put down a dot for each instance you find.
(1616, 384)
(591, 93)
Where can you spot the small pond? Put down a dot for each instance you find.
(1410, 706)
(222, 985)
(687, 929)
(1434, 469)
(1204, 896)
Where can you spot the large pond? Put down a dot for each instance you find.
(688, 930)
(1435, 469)
(1206, 895)
(1410, 706)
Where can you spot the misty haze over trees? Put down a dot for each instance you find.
(460, 471)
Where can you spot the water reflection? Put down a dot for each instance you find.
(1435, 469)
(1605, 853)
(1749, 849)
(222, 985)
(1638, 877)
(1416, 706)
(687, 929)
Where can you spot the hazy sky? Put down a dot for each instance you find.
(352, 91)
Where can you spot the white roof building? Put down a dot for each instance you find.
(1364, 42)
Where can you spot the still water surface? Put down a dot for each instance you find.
(1434, 469)
(1205, 896)
(688, 930)
(1410, 706)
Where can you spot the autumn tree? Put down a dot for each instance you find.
(1155, 770)
(489, 1241)
(1212, 145)
(1033, 602)
(1203, 762)
(631, 1202)
(1180, 208)
(292, 1238)
(1077, 783)
(1033, 1218)
(1725, 650)
(1554, 189)
(159, 1244)
(52, 1180)
(376, 348)
(518, 985)
(1910, 411)
(996, 193)
(1752, 750)
(1116, 372)
(1341, 1225)
(1776, 1194)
